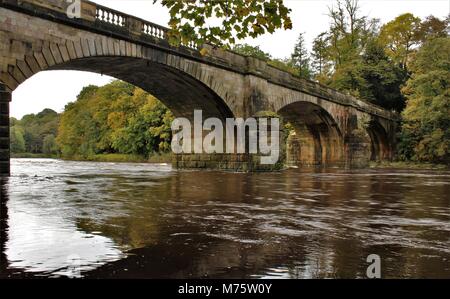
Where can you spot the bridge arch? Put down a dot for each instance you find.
(379, 141)
(315, 138)
(182, 85)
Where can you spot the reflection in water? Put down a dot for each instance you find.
(139, 220)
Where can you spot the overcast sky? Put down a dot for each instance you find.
(54, 89)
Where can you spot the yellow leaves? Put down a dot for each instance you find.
(204, 52)
(116, 120)
(288, 25)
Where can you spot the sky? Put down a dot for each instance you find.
(54, 89)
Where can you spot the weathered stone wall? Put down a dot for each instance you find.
(5, 98)
(231, 162)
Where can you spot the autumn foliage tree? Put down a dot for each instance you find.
(426, 119)
(224, 22)
(400, 37)
(115, 118)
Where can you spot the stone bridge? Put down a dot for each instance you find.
(331, 128)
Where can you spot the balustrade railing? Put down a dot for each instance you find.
(116, 18)
(111, 16)
(154, 30)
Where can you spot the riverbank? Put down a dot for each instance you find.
(167, 158)
(408, 165)
(116, 158)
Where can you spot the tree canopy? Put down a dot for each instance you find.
(29, 133)
(115, 118)
(401, 36)
(224, 22)
(426, 119)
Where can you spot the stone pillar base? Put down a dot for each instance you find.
(5, 98)
(357, 151)
(231, 162)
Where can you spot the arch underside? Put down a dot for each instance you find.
(315, 139)
(379, 142)
(180, 92)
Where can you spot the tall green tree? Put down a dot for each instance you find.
(348, 36)
(401, 37)
(349, 32)
(36, 127)
(300, 58)
(381, 78)
(426, 120)
(17, 142)
(320, 62)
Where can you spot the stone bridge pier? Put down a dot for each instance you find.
(5, 98)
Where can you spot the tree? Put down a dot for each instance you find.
(320, 56)
(115, 118)
(300, 58)
(49, 146)
(383, 79)
(425, 132)
(146, 131)
(223, 22)
(433, 27)
(17, 142)
(347, 38)
(349, 32)
(400, 38)
(252, 51)
(36, 127)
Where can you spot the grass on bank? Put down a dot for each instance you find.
(408, 165)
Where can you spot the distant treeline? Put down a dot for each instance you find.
(117, 118)
(35, 133)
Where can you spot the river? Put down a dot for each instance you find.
(113, 220)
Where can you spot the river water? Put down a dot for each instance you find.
(102, 220)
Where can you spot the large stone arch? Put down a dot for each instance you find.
(181, 84)
(316, 139)
(381, 140)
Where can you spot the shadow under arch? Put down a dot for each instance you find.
(379, 142)
(316, 139)
(179, 91)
